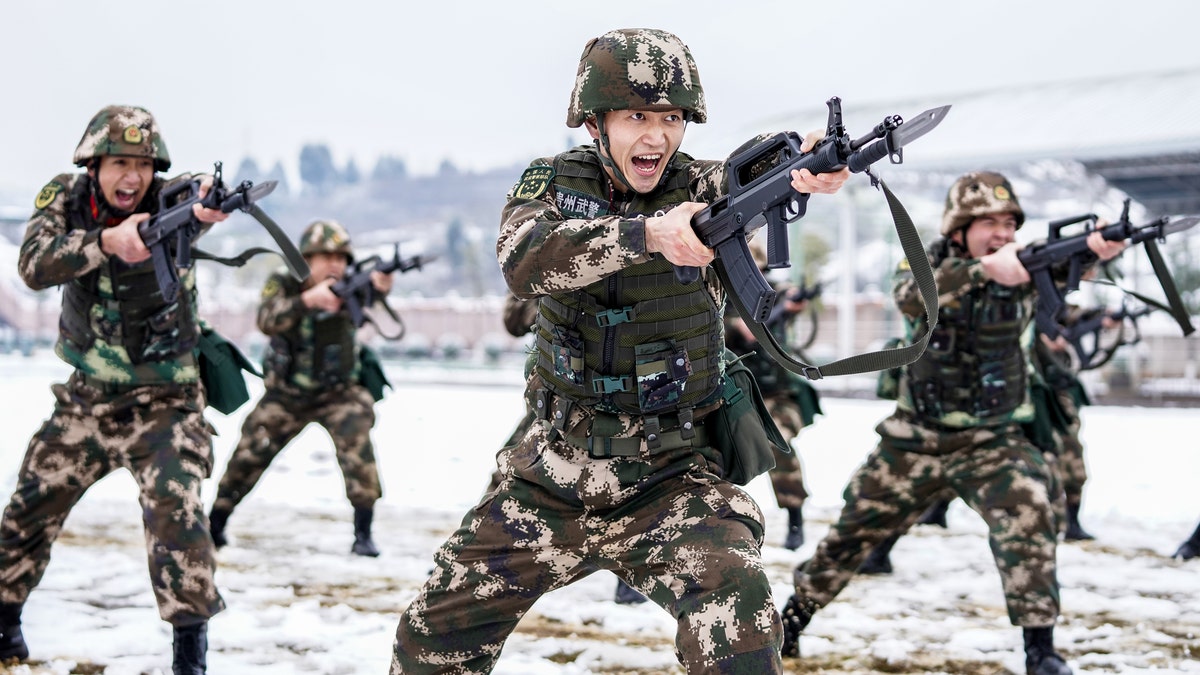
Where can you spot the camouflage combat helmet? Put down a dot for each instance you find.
(977, 194)
(123, 130)
(326, 236)
(635, 68)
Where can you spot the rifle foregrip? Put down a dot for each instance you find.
(863, 159)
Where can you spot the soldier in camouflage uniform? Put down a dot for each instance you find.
(134, 400)
(616, 472)
(957, 424)
(792, 401)
(311, 375)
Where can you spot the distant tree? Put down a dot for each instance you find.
(456, 245)
(317, 169)
(277, 173)
(389, 169)
(351, 176)
(247, 170)
(447, 169)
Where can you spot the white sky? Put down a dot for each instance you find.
(486, 84)
(298, 602)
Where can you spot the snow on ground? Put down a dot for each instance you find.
(298, 602)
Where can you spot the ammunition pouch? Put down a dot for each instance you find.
(221, 365)
(741, 429)
(370, 374)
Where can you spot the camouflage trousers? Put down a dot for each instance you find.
(995, 470)
(346, 412)
(160, 435)
(1070, 450)
(787, 478)
(666, 524)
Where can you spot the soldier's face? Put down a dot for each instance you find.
(326, 266)
(124, 181)
(987, 233)
(641, 142)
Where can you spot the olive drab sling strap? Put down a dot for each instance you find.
(883, 359)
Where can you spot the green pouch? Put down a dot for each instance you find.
(742, 430)
(221, 364)
(370, 373)
(808, 398)
(1048, 417)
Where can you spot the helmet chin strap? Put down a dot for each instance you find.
(606, 154)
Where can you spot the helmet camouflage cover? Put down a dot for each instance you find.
(632, 69)
(123, 130)
(977, 194)
(326, 236)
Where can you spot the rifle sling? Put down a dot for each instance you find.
(884, 359)
(1176, 309)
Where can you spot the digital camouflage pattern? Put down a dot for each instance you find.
(667, 523)
(62, 243)
(632, 69)
(345, 409)
(988, 462)
(326, 236)
(123, 130)
(977, 194)
(159, 434)
(998, 473)
(347, 413)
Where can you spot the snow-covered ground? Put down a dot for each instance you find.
(298, 602)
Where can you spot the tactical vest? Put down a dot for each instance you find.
(974, 368)
(115, 325)
(637, 341)
(317, 352)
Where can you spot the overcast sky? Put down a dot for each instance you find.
(485, 84)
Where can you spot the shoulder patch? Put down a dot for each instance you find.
(272, 288)
(534, 182)
(47, 195)
(903, 266)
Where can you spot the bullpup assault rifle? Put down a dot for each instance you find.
(1084, 333)
(357, 292)
(170, 233)
(1042, 258)
(758, 196)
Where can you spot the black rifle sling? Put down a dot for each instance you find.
(922, 271)
(1177, 310)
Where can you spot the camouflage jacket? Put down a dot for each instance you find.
(62, 244)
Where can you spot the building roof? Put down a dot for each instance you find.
(1141, 133)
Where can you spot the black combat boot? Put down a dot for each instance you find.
(216, 526)
(879, 560)
(796, 615)
(628, 595)
(363, 545)
(1040, 657)
(795, 533)
(935, 514)
(12, 642)
(1075, 531)
(1190, 548)
(190, 650)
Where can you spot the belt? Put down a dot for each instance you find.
(603, 447)
(105, 386)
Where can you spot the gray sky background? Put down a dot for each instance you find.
(485, 84)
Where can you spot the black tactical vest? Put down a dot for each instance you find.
(121, 305)
(975, 363)
(318, 351)
(637, 341)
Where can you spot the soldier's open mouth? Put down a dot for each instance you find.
(646, 164)
(125, 199)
